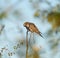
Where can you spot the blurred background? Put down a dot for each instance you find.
(45, 14)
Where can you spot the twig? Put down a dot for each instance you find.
(27, 44)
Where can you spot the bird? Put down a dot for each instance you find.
(32, 28)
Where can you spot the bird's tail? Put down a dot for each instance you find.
(42, 35)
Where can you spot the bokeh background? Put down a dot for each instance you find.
(45, 14)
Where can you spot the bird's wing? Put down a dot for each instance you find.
(33, 28)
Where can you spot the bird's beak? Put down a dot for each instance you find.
(24, 25)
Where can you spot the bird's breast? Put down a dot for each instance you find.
(27, 28)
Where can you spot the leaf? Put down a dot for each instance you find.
(3, 15)
(54, 19)
(37, 13)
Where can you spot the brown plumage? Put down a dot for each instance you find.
(32, 28)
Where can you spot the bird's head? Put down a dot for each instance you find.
(26, 24)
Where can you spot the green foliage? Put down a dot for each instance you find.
(54, 19)
(53, 16)
(37, 13)
(3, 15)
